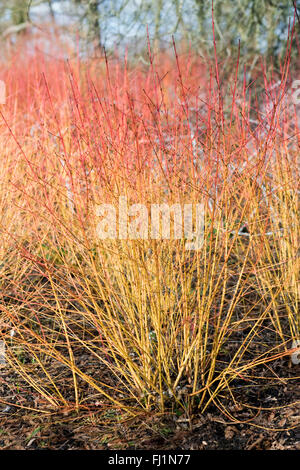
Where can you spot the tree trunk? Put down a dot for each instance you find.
(94, 24)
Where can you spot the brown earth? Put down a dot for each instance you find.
(266, 417)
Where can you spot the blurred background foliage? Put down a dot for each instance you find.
(261, 26)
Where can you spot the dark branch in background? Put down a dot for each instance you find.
(51, 10)
(295, 7)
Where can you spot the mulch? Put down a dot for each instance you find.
(261, 418)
